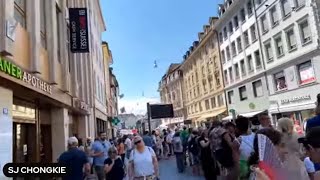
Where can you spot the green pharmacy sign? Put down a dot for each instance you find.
(16, 72)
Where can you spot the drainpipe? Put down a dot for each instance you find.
(221, 68)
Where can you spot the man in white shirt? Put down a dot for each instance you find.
(265, 121)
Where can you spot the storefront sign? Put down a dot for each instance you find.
(15, 71)
(79, 37)
(36, 82)
(80, 104)
(296, 99)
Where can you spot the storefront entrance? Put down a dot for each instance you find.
(24, 144)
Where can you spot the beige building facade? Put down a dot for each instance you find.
(203, 89)
(170, 88)
(45, 90)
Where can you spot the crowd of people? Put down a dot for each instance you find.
(221, 150)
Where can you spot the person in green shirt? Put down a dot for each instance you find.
(184, 135)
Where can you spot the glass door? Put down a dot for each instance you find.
(24, 145)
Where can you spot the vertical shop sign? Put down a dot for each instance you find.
(79, 36)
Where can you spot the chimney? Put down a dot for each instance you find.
(195, 43)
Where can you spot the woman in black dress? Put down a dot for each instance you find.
(207, 162)
(113, 166)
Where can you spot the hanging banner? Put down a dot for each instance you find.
(79, 36)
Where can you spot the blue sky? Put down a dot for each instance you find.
(142, 31)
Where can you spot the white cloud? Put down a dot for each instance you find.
(137, 105)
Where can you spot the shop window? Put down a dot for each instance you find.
(230, 97)
(257, 88)
(280, 81)
(243, 93)
(306, 73)
(20, 12)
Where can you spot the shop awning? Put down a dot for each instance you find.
(213, 114)
(251, 114)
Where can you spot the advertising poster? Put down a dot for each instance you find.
(79, 37)
(6, 139)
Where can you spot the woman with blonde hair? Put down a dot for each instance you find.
(292, 159)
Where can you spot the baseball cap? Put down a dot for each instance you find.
(312, 138)
(72, 140)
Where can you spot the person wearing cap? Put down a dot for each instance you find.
(311, 143)
(143, 163)
(75, 159)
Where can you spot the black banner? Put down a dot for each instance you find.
(79, 35)
(161, 111)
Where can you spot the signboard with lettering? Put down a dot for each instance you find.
(79, 37)
(296, 99)
(16, 72)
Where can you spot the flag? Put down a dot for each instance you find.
(122, 110)
(121, 96)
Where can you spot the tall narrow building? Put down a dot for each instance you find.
(289, 32)
(241, 55)
(203, 89)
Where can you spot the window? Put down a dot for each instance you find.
(236, 68)
(236, 22)
(223, 56)
(250, 63)
(58, 22)
(228, 53)
(243, 93)
(257, 88)
(286, 8)
(269, 53)
(258, 59)
(43, 26)
(306, 73)
(305, 32)
(220, 37)
(213, 102)
(300, 3)
(200, 106)
(258, 2)
(279, 46)
(230, 97)
(217, 78)
(230, 27)
(242, 15)
(226, 76)
(280, 81)
(234, 50)
(225, 33)
(243, 67)
(274, 16)
(246, 39)
(220, 100)
(291, 39)
(20, 12)
(239, 44)
(253, 33)
(264, 24)
(249, 8)
(230, 74)
(207, 104)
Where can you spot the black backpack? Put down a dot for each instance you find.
(224, 155)
(193, 146)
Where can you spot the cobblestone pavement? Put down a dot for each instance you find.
(168, 171)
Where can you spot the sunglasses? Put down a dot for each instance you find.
(114, 152)
(137, 142)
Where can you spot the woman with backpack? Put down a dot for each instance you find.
(143, 163)
(194, 151)
(207, 161)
